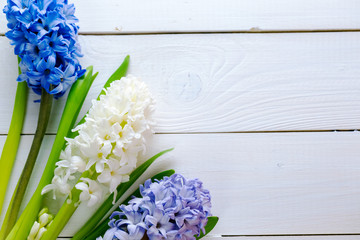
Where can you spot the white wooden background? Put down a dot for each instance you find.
(261, 100)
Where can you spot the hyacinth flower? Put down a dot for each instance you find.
(105, 151)
(76, 97)
(45, 38)
(171, 208)
(44, 33)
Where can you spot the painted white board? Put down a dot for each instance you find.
(223, 82)
(142, 16)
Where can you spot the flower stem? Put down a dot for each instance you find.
(13, 138)
(12, 141)
(44, 114)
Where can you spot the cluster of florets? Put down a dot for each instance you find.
(108, 142)
(40, 225)
(174, 208)
(44, 33)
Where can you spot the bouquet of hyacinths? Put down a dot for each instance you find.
(97, 158)
(44, 33)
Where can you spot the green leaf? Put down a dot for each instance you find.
(103, 226)
(121, 189)
(118, 74)
(212, 221)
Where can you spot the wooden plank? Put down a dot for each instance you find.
(262, 184)
(142, 16)
(223, 82)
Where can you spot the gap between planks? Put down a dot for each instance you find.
(187, 133)
(251, 31)
(265, 237)
(291, 235)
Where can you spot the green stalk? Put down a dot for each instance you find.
(93, 233)
(72, 108)
(44, 115)
(11, 145)
(12, 141)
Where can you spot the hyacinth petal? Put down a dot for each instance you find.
(44, 4)
(82, 186)
(22, 78)
(104, 177)
(25, 18)
(93, 200)
(110, 234)
(18, 3)
(121, 235)
(58, 89)
(41, 67)
(53, 19)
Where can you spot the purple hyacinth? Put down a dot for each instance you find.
(44, 33)
(173, 208)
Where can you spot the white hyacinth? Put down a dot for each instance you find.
(108, 143)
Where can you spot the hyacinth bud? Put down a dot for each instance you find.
(40, 233)
(39, 227)
(45, 219)
(34, 231)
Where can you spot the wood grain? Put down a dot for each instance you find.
(142, 16)
(262, 184)
(223, 82)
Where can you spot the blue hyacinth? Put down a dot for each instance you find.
(44, 33)
(174, 208)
